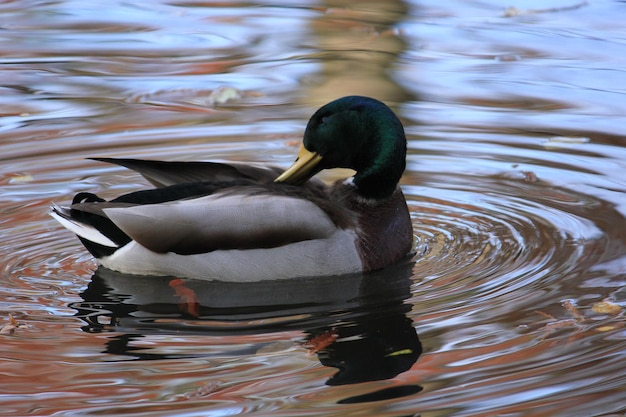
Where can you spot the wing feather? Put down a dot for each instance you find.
(222, 221)
(165, 173)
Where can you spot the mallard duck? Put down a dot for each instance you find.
(241, 222)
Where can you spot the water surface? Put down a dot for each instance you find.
(515, 181)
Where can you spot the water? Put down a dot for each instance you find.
(515, 181)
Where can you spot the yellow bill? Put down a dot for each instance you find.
(301, 170)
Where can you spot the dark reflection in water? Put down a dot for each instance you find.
(384, 394)
(355, 323)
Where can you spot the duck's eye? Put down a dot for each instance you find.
(325, 119)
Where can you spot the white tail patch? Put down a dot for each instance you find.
(81, 229)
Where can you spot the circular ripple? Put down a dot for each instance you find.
(500, 246)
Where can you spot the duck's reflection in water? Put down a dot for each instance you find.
(355, 323)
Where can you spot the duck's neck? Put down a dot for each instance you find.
(384, 162)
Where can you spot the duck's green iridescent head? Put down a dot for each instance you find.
(354, 132)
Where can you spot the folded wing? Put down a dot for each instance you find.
(165, 173)
(222, 221)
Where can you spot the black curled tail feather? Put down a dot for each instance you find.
(79, 212)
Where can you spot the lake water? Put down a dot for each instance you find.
(516, 181)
